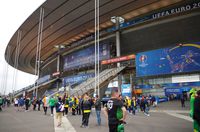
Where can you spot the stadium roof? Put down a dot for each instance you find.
(67, 21)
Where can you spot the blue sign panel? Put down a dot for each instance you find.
(85, 57)
(177, 91)
(43, 79)
(178, 59)
(126, 90)
(77, 79)
(166, 12)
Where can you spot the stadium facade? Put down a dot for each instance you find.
(157, 46)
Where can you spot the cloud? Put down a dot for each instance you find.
(13, 13)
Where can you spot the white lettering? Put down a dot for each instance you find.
(158, 15)
(154, 16)
(167, 12)
(188, 7)
(162, 14)
(182, 9)
(172, 11)
(177, 10)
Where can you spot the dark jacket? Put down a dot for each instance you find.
(86, 105)
(98, 105)
(59, 106)
(196, 115)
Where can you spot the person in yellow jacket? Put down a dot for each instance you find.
(66, 105)
(129, 104)
(74, 106)
(45, 104)
(86, 108)
(133, 105)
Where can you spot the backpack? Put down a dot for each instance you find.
(119, 113)
(59, 107)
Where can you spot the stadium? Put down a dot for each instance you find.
(147, 47)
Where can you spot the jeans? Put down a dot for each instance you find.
(134, 108)
(45, 110)
(98, 113)
(146, 110)
(85, 119)
(51, 109)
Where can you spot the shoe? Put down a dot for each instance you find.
(82, 126)
(65, 115)
(59, 125)
(51, 114)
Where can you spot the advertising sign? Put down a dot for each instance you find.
(177, 59)
(85, 57)
(56, 74)
(77, 79)
(174, 10)
(126, 90)
(119, 59)
(179, 91)
(43, 79)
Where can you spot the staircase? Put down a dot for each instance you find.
(89, 84)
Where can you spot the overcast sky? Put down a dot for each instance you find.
(13, 13)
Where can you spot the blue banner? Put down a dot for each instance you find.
(126, 90)
(43, 79)
(177, 91)
(85, 57)
(184, 85)
(178, 59)
(178, 9)
(77, 79)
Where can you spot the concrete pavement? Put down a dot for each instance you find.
(31, 121)
(167, 117)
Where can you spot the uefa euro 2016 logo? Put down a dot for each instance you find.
(143, 59)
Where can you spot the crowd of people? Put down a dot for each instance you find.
(115, 109)
(4, 101)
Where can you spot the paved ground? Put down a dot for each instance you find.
(167, 117)
(157, 122)
(32, 121)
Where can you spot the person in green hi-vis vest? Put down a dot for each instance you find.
(52, 103)
(192, 100)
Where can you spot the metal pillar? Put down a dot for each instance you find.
(59, 47)
(58, 67)
(117, 20)
(118, 39)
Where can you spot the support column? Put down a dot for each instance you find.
(118, 39)
(118, 50)
(58, 67)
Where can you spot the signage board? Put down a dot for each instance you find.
(118, 59)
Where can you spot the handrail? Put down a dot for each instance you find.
(89, 84)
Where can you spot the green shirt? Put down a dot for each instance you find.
(1, 101)
(52, 102)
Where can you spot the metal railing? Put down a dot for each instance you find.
(90, 83)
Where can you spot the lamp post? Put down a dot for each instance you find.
(118, 20)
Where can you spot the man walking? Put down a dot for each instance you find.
(45, 102)
(111, 111)
(51, 104)
(86, 107)
(59, 110)
(97, 105)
